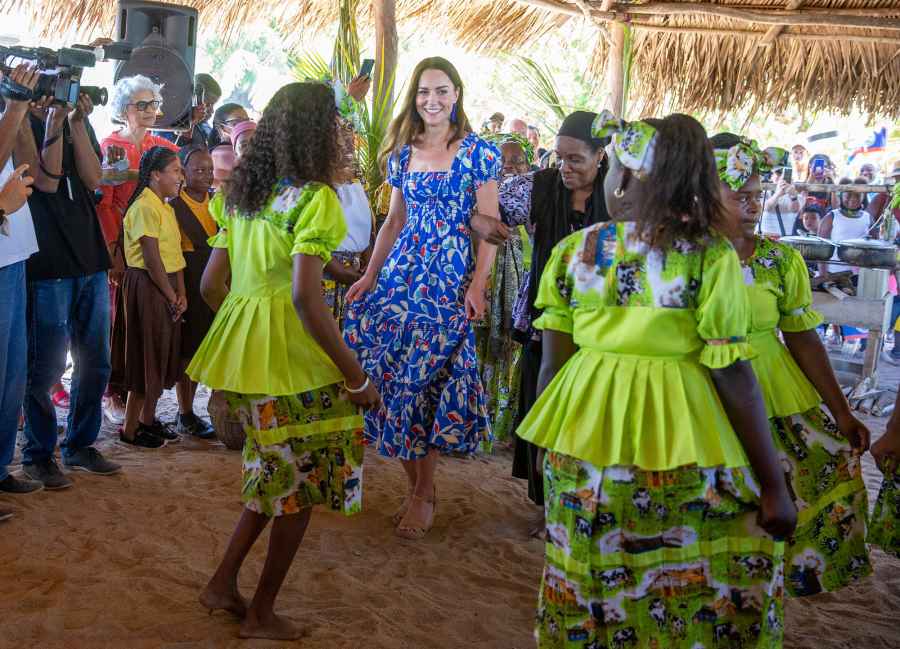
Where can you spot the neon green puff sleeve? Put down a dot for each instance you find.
(555, 290)
(795, 304)
(320, 227)
(723, 309)
(222, 238)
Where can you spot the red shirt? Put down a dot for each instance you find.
(111, 209)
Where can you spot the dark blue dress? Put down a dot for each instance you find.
(410, 331)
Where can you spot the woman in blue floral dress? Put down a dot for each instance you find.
(410, 317)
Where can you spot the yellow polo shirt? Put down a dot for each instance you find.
(149, 216)
(201, 211)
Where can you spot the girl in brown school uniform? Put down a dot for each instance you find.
(154, 297)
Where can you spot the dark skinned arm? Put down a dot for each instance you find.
(557, 348)
(309, 303)
(342, 275)
(811, 357)
(888, 447)
(86, 161)
(214, 283)
(742, 400)
(154, 266)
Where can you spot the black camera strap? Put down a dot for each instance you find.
(46, 145)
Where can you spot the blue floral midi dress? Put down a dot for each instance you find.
(410, 331)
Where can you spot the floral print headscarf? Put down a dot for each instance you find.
(633, 142)
(737, 164)
(512, 138)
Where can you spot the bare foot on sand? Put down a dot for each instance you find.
(230, 601)
(539, 530)
(276, 628)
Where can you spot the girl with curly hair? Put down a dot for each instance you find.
(275, 350)
(410, 315)
(666, 505)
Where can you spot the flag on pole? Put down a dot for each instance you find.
(876, 142)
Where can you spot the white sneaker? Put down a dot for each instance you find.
(113, 414)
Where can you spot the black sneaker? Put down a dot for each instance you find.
(144, 437)
(48, 473)
(163, 431)
(192, 425)
(89, 459)
(13, 485)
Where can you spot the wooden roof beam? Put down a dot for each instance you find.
(864, 18)
(749, 33)
(878, 18)
(774, 31)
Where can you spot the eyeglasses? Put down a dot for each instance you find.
(144, 106)
(234, 120)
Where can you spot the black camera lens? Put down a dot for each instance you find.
(98, 95)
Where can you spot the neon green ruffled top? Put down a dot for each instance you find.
(780, 298)
(257, 344)
(648, 325)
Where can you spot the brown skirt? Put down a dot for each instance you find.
(199, 317)
(152, 341)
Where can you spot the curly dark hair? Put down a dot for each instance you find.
(296, 140)
(683, 199)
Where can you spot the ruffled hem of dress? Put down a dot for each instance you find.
(654, 414)
(804, 321)
(259, 346)
(786, 390)
(716, 357)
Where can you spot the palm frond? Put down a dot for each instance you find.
(539, 85)
(310, 65)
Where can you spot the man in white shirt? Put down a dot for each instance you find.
(782, 208)
(17, 243)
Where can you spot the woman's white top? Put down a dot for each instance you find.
(358, 215)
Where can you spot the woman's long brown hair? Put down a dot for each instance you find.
(408, 124)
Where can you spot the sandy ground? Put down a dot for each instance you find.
(118, 562)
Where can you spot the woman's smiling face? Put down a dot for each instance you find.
(435, 97)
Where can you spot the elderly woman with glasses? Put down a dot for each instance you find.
(135, 102)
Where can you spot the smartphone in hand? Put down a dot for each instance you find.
(365, 70)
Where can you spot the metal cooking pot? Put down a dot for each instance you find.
(869, 253)
(811, 248)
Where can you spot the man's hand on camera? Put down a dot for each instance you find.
(25, 75)
(83, 108)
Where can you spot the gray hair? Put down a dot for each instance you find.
(126, 88)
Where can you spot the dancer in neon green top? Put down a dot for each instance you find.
(659, 533)
(275, 348)
(820, 455)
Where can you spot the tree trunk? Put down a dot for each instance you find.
(385, 14)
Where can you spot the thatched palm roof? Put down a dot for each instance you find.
(703, 56)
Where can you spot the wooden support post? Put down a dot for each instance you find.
(615, 63)
(385, 14)
(775, 30)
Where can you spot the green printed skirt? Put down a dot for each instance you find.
(828, 549)
(884, 527)
(301, 450)
(663, 559)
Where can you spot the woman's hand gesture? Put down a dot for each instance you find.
(360, 288)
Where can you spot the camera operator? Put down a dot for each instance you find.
(17, 243)
(68, 294)
(782, 208)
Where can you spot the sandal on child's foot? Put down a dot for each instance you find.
(415, 530)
